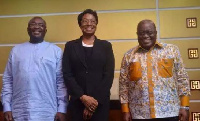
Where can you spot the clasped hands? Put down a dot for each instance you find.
(90, 106)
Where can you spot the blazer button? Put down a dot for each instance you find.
(86, 72)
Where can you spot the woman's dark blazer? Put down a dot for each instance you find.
(93, 79)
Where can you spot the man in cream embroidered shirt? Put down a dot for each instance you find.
(153, 82)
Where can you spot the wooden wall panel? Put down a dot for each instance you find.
(59, 28)
(194, 75)
(59, 6)
(14, 30)
(4, 54)
(173, 23)
(115, 87)
(120, 48)
(121, 25)
(194, 107)
(178, 3)
(183, 47)
(64, 28)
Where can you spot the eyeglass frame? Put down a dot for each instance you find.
(86, 21)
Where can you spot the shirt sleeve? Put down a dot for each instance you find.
(123, 84)
(62, 96)
(125, 107)
(185, 101)
(182, 77)
(7, 90)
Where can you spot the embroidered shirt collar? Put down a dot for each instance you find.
(157, 44)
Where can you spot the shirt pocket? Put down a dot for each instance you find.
(48, 62)
(135, 71)
(165, 67)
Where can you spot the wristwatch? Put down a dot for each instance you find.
(185, 107)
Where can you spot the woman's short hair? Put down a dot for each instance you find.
(90, 11)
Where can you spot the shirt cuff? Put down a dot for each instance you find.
(125, 107)
(185, 100)
(6, 107)
(62, 108)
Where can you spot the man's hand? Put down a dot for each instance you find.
(87, 114)
(8, 116)
(60, 116)
(89, 102)
(127, 116)
(183, 115)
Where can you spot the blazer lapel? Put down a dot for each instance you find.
(80, 51)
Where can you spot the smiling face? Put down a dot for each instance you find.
(88, 24)
(146, 34)
(36, 29)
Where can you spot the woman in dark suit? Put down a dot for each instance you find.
(88, 69)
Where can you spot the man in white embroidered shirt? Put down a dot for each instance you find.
(33, 86)
(153, 83)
